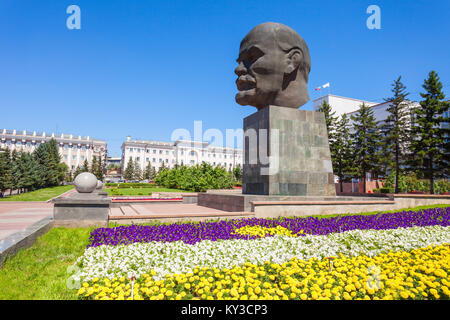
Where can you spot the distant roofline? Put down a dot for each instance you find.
(333, 95)
(379, 104)
(49, 135)
(205, 144)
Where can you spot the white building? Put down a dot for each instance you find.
(178, 152)
(74, 150)
(350, 106)
(341, 105)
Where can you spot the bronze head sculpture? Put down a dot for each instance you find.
(274, 66)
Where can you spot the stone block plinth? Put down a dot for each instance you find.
(286, 152)
(81, 210)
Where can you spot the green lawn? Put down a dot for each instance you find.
(43, 194)
(41, 271)
(140, 191)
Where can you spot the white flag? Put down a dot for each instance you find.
(326, 85)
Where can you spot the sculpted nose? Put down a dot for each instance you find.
(240, 69)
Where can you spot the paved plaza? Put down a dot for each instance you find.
(16, 216)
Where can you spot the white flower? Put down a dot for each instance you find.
(178, 257)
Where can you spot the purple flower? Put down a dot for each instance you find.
(192, 233)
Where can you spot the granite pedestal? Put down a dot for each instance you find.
(297, 143)
(82, 210)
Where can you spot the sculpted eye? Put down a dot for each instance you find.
(254, 54)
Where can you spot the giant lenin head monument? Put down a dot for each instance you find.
(286, 150)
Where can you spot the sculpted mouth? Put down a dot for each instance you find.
(244, 83)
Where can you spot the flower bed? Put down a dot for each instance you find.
(273, 259)
(193, 233)
(417, 274)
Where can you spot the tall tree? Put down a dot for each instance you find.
(16, 172)
(396, 129)
(366, 142)
(341, 150)
(129, 170)
(5, 171)
(430, 144)
(137, 170)
(85, 166)
(330, 119)
(94, 166)
(148, 171)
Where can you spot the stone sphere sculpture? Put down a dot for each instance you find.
(85, 182)
(273, 67)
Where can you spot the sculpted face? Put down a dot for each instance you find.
(268, 68)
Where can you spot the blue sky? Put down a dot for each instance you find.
(145, 68)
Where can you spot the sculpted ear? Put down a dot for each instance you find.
(294, 58)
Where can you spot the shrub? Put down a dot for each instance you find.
(386, 190)
(126, 185)
(198, 178)
(110, 184)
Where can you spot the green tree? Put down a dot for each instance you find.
(5, 171)
(330, 119)
(366, 142)
(237, 173)
(94, 166)
(85, 166)
(16, 172)
(430, 145)
(396, 130)
(137, 170)
(341, 150)
(129, 170)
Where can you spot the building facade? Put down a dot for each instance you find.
(74, 150)
(179, 152)
(341, 105)
(350, 107)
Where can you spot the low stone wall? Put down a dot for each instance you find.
(23, 239)
(272, 209)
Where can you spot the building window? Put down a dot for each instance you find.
(192, 161)
(74, 147)
(148, 151)
(154, 151)
(74, 157)
(131, 149)
(160, 151)
(167, 160)
(167, 151)
(182, 152)
(82, 158)
(224, 156)
(83, 148)
(19, 143)
(192, 153)
(8, 143)
(138, 158)
(65, 157)
(139, 150)
(160, 160)
(66, 147)
(147, 159)
(153, 160)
